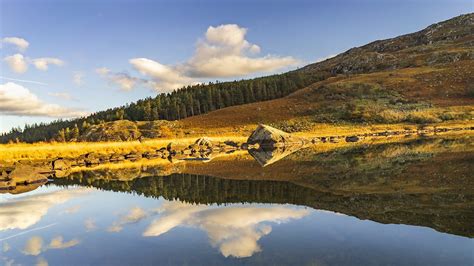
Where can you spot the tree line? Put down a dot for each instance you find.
(197, 189)
(179, 104)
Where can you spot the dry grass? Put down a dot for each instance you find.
(43, 151)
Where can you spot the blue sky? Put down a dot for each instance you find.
(85, 56)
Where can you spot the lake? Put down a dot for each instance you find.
(408, 202)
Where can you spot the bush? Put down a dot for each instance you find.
(390, 116)
(420, 117)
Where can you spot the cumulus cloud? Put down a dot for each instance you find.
(34, 246)
(18, 100)
(58, 243)
(42, 262)
(223, 52)
(123, 80)
(20, 43)
(6, 247)
(23, 212)
(135, 215)
(90, 225)
(77, 78)
(103, 71)
(43, 63)
(165, 77)
(17, 63)
(73, 209)
(235, 230)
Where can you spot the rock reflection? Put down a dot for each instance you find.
(266, 156)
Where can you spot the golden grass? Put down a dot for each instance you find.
(10, 153)
(43, 151)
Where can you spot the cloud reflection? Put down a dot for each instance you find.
(34, 246)
(135, 215)
(23, 212)
(235, 230)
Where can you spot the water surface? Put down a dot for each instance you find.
(409, 203)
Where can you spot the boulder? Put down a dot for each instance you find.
(117, 158)
(352, 139)
(271, 137)
(27, 173)
(91, 158)
(203, 142)
(7, 185)
(133, 156)
(61, 164)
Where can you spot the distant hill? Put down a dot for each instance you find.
(422, 77)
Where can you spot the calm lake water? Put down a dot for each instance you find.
(409, 203)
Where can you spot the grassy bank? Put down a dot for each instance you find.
(10, 153)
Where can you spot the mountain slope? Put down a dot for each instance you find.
(422, 77)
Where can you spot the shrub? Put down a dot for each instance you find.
(420, 117)
(390, 116)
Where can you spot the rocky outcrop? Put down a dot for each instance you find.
(267, 136)
(24, 176)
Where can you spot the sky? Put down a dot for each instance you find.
(63, 59)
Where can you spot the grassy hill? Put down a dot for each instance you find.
(420, 78)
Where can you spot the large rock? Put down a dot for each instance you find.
(267, 136)
(203, 142)
(61, 164)
(27, 173)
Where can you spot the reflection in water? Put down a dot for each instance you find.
(234, 230)
(34, 246)
(266, 156)
(232, 211)
(419, 182)
(135, 215)
(25, 211)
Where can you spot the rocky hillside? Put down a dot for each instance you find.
(418, 78)
(445, 42)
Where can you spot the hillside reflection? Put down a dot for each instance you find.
(422, 182)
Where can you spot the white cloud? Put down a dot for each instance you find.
(103, 71)
(42, 262)
(165, 77)
(33, 246)
(58, 243)
(123, 80)
(17, 63)
(222, 53)
(135, 215)
(20, 43)
(73, 209)
(77, 78)
(6, 247)
(90, 225)
(23, 212)
(235, 230)
(43, 63)
(18, 100)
